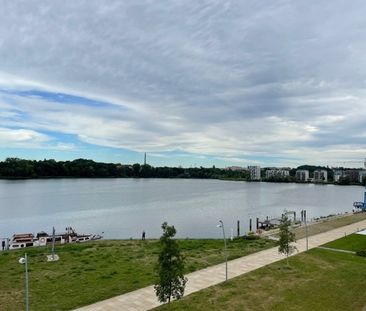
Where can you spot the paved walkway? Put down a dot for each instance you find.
(144, 299)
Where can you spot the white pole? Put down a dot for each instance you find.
(307, 234)
(26, 283)
(223, 232)
(53, 243)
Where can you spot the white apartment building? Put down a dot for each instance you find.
(278, 173)
(302, 175)
(320, 176)
(255, 172)
(337, 174)
(362, 174)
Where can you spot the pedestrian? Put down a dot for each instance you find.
(3, 244)
(143, 235)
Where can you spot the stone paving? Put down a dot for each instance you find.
(145, 299)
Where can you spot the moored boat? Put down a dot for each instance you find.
(43, 238)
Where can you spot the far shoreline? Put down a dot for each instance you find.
(178, 178)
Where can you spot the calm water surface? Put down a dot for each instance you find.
(123, 208)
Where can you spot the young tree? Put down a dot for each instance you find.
(286, 237)
(170, 267)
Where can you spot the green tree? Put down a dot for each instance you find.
(344, 180)
(286, 237)
(136, 169)
(170, 267)
(146, 171)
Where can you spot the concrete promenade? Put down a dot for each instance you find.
(145, 299)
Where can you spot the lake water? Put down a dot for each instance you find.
(123, 208)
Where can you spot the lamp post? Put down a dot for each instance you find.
(24, 261)
(306, 231)
(53, 243)
(221, 225)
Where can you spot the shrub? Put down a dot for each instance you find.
(251, 236)
(361, 253)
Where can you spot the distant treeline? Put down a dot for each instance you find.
(20, 168)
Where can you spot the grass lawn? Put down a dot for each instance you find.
(353, 242)
(316, 280)
(324, 225)
(94, 271)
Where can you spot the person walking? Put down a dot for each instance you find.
(143, 235)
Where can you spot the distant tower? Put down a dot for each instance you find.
(145, 159)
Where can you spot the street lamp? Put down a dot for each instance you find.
(306, 230)
(53, 256)
(221, 225)
(24, 261)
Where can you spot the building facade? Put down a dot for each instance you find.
(255, 172)
(362, 175)
(353, 175)
(302, 175)
(337, 174)
(277, 173)
(320, 176)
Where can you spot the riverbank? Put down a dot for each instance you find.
(105, 268)
(320, 225)
(95, 271)
(318, 280)
(202, 281)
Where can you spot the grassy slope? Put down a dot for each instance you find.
(98, 270)
(329, 224)
(317, 280)
(353, 242)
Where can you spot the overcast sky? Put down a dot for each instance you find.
(189, 82)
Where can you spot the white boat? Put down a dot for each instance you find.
(21, 240)
(42, 238)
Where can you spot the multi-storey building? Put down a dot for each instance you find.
(302, 175)
(320, 176)
(353, 175)
(255, 172)
(277, 173)
(337, 174)
(362, 175)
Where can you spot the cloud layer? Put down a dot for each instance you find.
(275, 83)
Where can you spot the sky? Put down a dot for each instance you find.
(191, 83)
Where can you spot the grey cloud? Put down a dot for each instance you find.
(193, 66)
